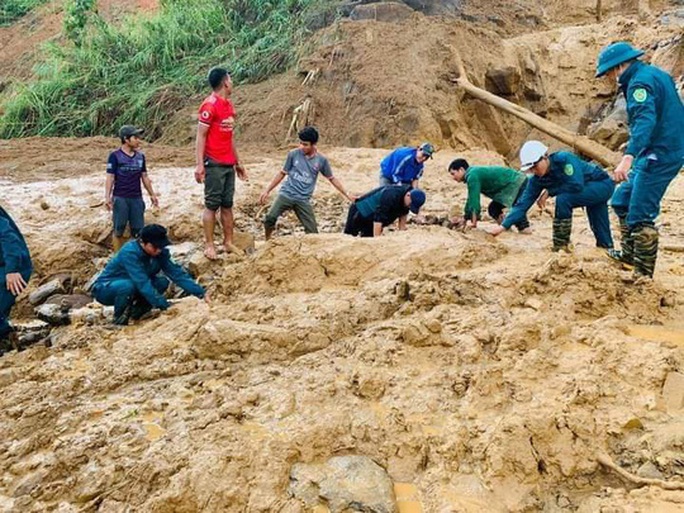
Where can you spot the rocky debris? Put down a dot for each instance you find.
(381, 11)
(503, 81)
(344, 483)
(91, 314)
(673, 391)
(53, 314)
(31, 332)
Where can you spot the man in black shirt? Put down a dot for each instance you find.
(381, 207)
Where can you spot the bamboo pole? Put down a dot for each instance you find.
(583, 144)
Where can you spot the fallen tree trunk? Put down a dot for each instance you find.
(582, 144)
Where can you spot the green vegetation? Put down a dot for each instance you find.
(144, 70)
(11, 10)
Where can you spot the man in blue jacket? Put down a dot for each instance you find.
(15, 271)
(404, 166)
(574, 182)
(654, 154)
(131, 283)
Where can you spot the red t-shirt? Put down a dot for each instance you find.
(219, 115)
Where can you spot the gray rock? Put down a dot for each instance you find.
(55, 286)
(344, 483)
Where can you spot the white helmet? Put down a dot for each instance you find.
(531, 153)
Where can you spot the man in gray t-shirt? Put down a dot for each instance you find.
(301, 168)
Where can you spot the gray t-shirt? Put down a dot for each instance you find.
(302, 172)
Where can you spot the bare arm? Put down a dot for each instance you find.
(200, 144)
(147, 183)
(109, 189)
(239, 168)
(377, 229)
(274, 183)
(402, 223)
(414, 184)
(338, 185)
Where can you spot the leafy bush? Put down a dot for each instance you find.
(144, 70)
(11, 10)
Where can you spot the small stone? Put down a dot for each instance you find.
(534, 303)
(434, 326)
(673, 391)
(44, 205)
(650, 471)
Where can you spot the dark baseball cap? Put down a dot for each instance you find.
(127, 131)
(427, 149)
(417, 200)
(156, 235)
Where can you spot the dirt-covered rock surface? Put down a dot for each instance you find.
(480, 374)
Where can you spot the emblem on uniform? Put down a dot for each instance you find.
(568, 169)
(640, 95)
(205, 114)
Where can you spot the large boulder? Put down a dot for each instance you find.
(344, 483)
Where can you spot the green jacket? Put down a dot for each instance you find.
(500, 184)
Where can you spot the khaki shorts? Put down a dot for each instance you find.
(219, 186)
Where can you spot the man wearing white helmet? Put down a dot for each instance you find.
(574, 182)
(654, 153)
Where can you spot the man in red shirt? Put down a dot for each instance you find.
(217, 160)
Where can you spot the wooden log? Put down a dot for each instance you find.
(582, 144)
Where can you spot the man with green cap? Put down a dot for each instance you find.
(654, 154)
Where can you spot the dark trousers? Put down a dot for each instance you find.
(7, 301)
(495, 209)
(122, 293)
(357, 224)
(638, 199)
(594, 198)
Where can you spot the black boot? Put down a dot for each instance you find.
(645, 250)
(562, 228)
(139, 308)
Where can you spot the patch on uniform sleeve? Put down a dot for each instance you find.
(205, 115)
(569, 170)
(640, 95)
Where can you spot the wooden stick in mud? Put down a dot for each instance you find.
(607, 462)
(581, 143)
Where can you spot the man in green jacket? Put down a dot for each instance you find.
(502, 185)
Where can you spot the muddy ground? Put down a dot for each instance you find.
(486, 374)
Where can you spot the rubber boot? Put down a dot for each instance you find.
(562, 228)
(626, 253)
(645, 250)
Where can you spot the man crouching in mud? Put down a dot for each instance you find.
(130, 282)
(15, 271)
(375, 210)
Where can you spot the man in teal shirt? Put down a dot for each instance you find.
(654, 154)
(500, 184)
